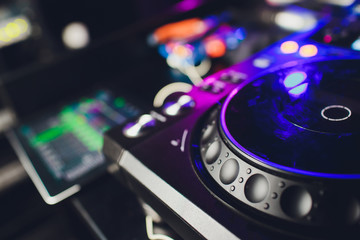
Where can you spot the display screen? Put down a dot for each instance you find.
(64, 145)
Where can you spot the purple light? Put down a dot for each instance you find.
(297, 91)
(294, 79)
(187, 5)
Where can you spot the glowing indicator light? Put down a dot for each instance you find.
(22, 24)
(289, 47)
(76, 35)
(297, 91)
(163, 51)
(232, 43)
(184, 101)
(13, 31)
(356, 45)
(336, 113)
(119, 102)
(179, 30)
(215, 47)
(182, 51)
(295, 20)
(240, 34)
(262, 62)
(327, 38)
(294, 79)
(48, 135)
(187, 5)
(308, 50)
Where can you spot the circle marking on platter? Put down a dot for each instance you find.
(324, 110)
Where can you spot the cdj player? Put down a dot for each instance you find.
(181, 119)
(254, 151)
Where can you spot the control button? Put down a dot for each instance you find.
(281, 184)
(296, 202)
(140, 127)
(208, 132)
(213, 87)
(213, 152)
(256, 188)
(184, 103)
(262, 62)
(233, 77)
(229, 171)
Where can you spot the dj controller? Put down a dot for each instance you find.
(262, 152)
(227, 121)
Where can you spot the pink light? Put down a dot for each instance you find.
(327, 38)
(187, 5)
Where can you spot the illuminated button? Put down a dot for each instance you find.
(233, 77)
(214, 87)
(289, 47)
(262, 62)
(294, 79)
(256, 188)
(215, 47)
(140, 127)
(229, 171)
(213, 152)
(296, 202)
(176, 108)
(308, 50)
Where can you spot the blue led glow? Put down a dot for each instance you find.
(163, 51)
(356, 45)
(240, 34)
(294, 79)
(232, 42)
(297, 91)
